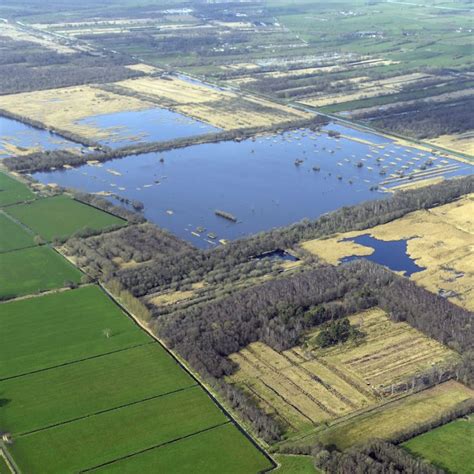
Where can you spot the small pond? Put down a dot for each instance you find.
(389, 253)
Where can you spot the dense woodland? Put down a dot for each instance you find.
(26, 66)
(424, 119)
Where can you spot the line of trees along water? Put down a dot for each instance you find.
(223, 262)
(53, 159)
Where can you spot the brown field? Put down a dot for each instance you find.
(463, 142)
(306, 386)
(147, 69)
(389, 420)
(440, 239)
(223, 109)
(366, 89)
(62, 108)
(19, 34)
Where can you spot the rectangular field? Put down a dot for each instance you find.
(223, 109)
(50, 330)
(12, 235)
(12, 191)
(230, 451)
(400, 415)
(83, 388)
(306, 386)
(448, 447)
(33, 270)
(61, 217)
(117, 433)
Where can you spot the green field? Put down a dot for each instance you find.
(292, 464)
(61, 217)
(450, 447)
(12, 191)
(33, 270)
(59, 328)
(12, 235)
(3, 466)
(89, 386)
(226, 446)
(102, 438)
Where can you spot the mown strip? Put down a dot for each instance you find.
(12, 191)
(65, 393)
(54, 329)
(33, 270)
(13, 236)
(96, 440)
(223, 449)
(60, 217)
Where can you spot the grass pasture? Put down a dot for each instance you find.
(12, 235)
(89, 386)
(225, 445)
(307, 386)
(448, 447)
(33, 270)
(115, 434)
(4, 469)
(61, 217)
(294, 464)
(54, 329)
(12, 191)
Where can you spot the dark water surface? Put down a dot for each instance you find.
(389, 253)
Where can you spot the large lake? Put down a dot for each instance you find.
(20, 135)
(266, 182)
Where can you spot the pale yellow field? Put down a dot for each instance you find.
(440, 239)
(62, 108)
(223, 109)
(18, 34)
(398, 416)
(463, 142)
(306, 386)
(366, 89)
(146, 68)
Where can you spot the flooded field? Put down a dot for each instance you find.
(389, 253)
(261, 183)
(18, 138)
(150, 125)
